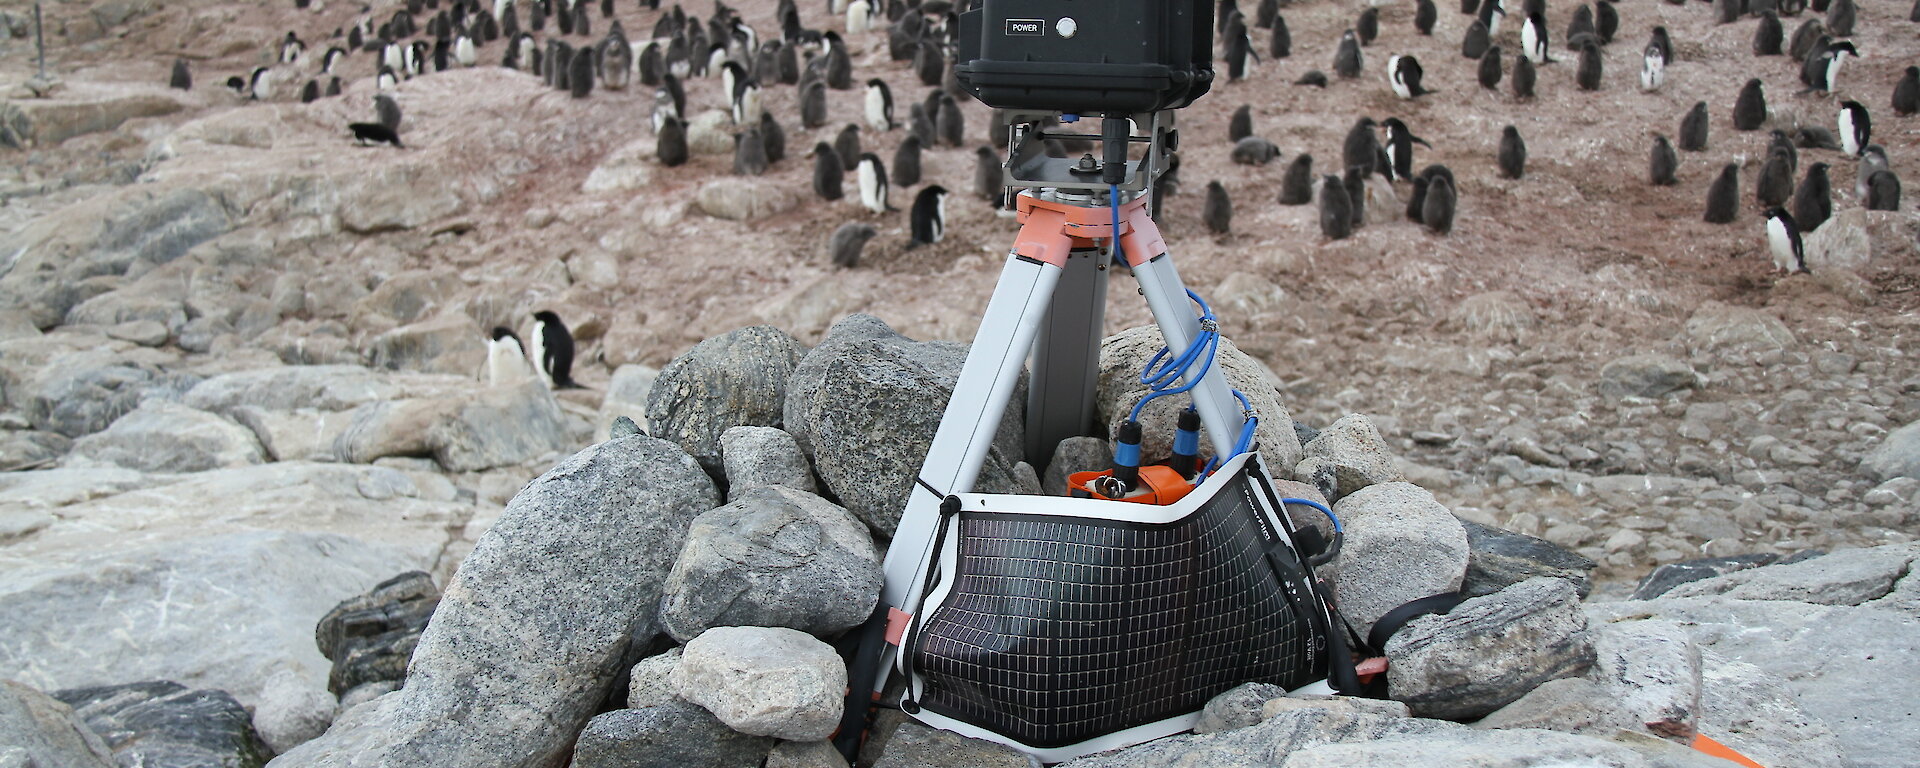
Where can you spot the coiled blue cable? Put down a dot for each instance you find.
(1337, 528)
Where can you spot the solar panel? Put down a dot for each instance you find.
(1054, 630)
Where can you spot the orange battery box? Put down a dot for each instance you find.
(1159, 484)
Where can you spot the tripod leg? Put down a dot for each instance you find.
(1167, 297)
(1066, 358)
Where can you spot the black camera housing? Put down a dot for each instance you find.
(1112, 56)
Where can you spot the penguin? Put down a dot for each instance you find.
(827, 172)
(183, 79)
(1778, 141)
(506, 358)
(1239, 48)
(1255, 151)
(1280, 45)
(580, 74)
(1533, 43)
(951, 123)
(928, 219)
(333, 87)
(1659, 39)
(1856, 127)
(879, 105)
(1587, 76)
(442, 56)
(1168, 185)
(1873, 159)
(1723, 197)
(553, 350)
(749, 152)
(746, 104)
(1477, 41)
(1336, 209)
(1490, 70)
(291, 48)
(1354, 181)
(1424, 14)
(310, 92)
(1265, 12)
(1821, 72)
(1367, 27)
(1436, 212)
(1727, 11)
(1693, 128)
(1664, 164)
(1361, 145)
(847, 145)
(1469, 7)
(1240, 125)
(1840, 17)
(1769, 36)
(1399, 149)
(872, 175)
(1313, 77)
(1813, 200)
(1750, 108)
(921, 125)
(1883, 191)
(929, 63)
(1346, 58)
(987, 181)
(582, 22)
(1417, 200)
(813, 105)
(670, 142)
(773, 137)
(1815, 137)
(1513, 153)
(1581, 25)
(1906, 93)
(376, 133)
(906, 162)
(463, 52)
(1606, 21)
(1403, 73)
(260, 84)
(860, 17)
(1523, 77)
(1805, 38)
(839, 72)
(1783, 240)
(1489, 15)
(331, 59)
(844, 247)
(1775, 184)
(616, 62)
(1296, 188)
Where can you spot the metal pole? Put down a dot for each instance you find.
(39, 41)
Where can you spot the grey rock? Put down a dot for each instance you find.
(1301, 515)
(917, 746)
(805, 754)
(1646, 375)
(1666, 577)
(1569, 704)
(1853, 579)
(44, 123)
(1238, 707)
(146, 333)
(166, 724)
(1075, 454)
(775, 557)
(1841, 242)
(766, 681)
(1498, 748)
(104, 237)
(291, 712)
(370, 637)
(757, 457)
(1123, 356)
(1897, 455)
(623, 426)
(1292, 728)
(628, 389)
(31, 449)
(1346, 457)
(168, 437)
(864, 380)
(39, 730)
(1650, 670)
(552, 593)
(1717, 327)
(650, 682)
(735, 379)
(708, 134)
(1498, 315)
(741, 199)
(364, 694)
(674, 734)
(1499, 558)
(1401, 545)
(1489, 651)
(484, 428)
(1753, 711)
(322, 387)
(450, 343)
(414, 294)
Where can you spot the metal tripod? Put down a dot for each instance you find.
(1048, 306)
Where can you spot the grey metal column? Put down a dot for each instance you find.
(1065, 368)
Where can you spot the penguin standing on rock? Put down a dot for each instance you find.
(1723, 197)
(928, 219)
(1856, 127)
(553, 350)
(506, 358)
(1218, 212)
(872, 175)
(1403, 73)
(1783, 240)
(1346, 58)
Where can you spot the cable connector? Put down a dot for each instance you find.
(1186, 444)
(1126, 457)
(1209, 325)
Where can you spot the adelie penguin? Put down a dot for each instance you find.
(1805, 38)
(1417, 200)
(1821, 71)
(988, 183)
(1424, 15)
(1523, 77)
(1856, 127)
(1693, 128)
(928, 219)
(1664, 163)
(1906, 93)
(1296, 187)
(1399, 149)
(828, 171)
(1489, 15)
(1239, 48)
(1840, 17)
(387, 111)
(879, 105)
(774, 136)
(1783, 240)
(1240, 125)
(553, 350)
(506, 358)
(1404, 74)
(1490, 69)
(951, 123)
(872, 177)
(580, 74)
(1750, 108)
(1477, 41)
(670, 143)
(1723, 197)
(1769, 36)
(375, 133)
(1813, 200)
(1280, 45)
(1873, 159)
(1361, 145)
(1606, 21)
(847, 144)
(1336, 209)
(1346, 58)
(1533, 42)
(1883, 191)
(183, 80)
(310, 92)
(1254, 150)
(1437, 212)
(749, 152)
(1367, 27)
(844, 248)
(1775, 185)
(1587, 76)
(260, 84)
(1513, 153)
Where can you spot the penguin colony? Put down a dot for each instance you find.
(727, 58)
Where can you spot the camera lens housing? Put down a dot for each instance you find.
(1087, 56)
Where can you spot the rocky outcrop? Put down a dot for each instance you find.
(765, 681)
(735, 379)
(37, 729)
(1347, 456)
(166, 723)
(370, 637)
(1401, 545)
(160, 436)
(756, 457)
(672, 734)
(1123, 356)
(1489, 651)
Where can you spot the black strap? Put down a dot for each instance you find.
(1395, 619)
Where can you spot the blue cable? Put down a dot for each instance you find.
(1161, 377)
(1113, 204)
(1337, 529)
